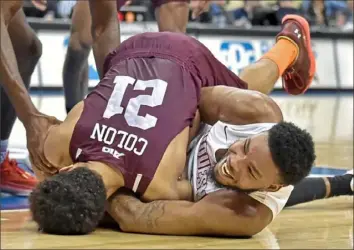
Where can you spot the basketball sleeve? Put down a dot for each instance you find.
(275, 201)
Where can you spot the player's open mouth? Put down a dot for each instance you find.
(224, 169)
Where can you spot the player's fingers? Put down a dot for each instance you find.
(66, 169)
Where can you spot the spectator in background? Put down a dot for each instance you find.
(349, 20)
(217, 13)
(315, 12)
(48, 13)
(238, 13)
(65, 8)
(255, 12)
(337, 13)
(287, 7)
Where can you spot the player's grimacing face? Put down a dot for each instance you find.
(248, 165)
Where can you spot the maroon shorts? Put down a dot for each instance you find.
(155, 3)
(132, 115)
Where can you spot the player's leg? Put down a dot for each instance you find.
(28, 50)
(75, 70)
(291, 57)
(171, 15)
(316, 188)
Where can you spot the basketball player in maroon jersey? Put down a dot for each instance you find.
(134, 128)
(171, 15)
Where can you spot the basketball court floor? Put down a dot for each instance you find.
(320, 224)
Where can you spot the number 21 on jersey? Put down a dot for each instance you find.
(131, 116)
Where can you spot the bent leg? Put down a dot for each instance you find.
(75, 69)
(28, 50)
(317, 188)
(172, 15)
(263, 74)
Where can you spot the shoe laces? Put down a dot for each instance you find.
(14, 168)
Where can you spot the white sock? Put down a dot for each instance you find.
(3, 149)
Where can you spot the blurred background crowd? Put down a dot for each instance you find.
(241, 13)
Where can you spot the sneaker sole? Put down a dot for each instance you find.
(305, 29)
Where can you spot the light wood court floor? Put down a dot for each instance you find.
(320, 224)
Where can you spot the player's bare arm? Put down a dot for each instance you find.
(104, 30)
(228, 213)
(237, 106)
(36, 124)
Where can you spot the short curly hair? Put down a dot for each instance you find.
(292, 150)
(69, 203)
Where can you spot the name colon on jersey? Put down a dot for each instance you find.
(129, 142)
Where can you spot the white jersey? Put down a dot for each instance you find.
(202, 160)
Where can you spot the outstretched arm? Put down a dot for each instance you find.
(225, 213)
(237, 106)
(36, 124)
(104, 30)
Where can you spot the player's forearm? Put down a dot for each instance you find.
(104, 30)
(11, 80)
(220, 213)
(236, 106)
(157, 217)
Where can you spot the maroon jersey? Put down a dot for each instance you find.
(149, 94)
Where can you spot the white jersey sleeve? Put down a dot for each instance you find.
(275, 201)
(223, 135)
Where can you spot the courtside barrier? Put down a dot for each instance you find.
(235, 47)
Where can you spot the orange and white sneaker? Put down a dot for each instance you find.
(298, 77)
(15, 180)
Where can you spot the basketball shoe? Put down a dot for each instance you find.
(14, 179)
(298, 77)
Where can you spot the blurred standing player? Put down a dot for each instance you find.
(27, 51)
(20, 51)
(171, 15)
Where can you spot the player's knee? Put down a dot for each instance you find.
(69, 203)
(173, 16)
(80, 41)
(35, 49)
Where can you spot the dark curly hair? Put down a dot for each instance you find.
(69, 203)
(292, 150)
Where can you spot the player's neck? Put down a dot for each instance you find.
(112, 179)
(56, 140)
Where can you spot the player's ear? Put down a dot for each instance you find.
(274, 187)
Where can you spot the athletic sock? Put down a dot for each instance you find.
(308, 189)
(340, 185)
(283, 54)
(3, 149)
(317, 188)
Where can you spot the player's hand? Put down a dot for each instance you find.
(40, 4)
(128, 2)
(36, 131)
(198, 7)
